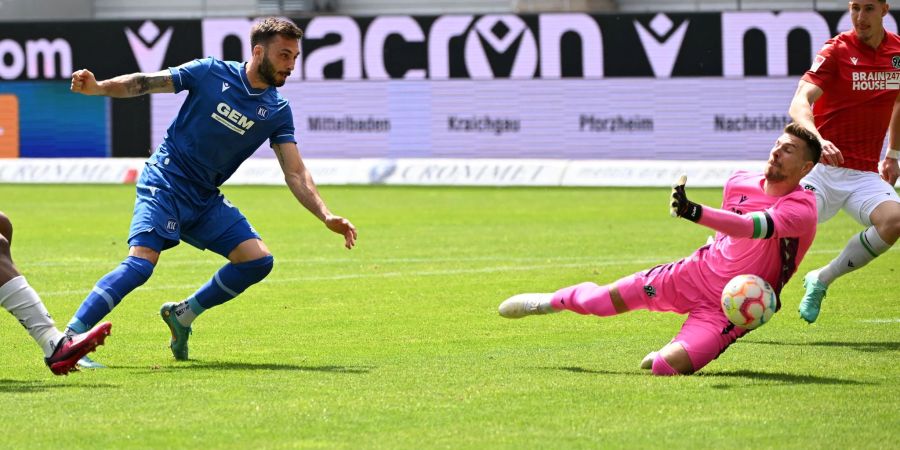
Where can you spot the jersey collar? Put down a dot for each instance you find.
(246, 82)
(863, 46)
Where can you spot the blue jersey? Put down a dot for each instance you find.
(221, 123)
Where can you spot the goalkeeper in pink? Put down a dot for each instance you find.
(765, 226)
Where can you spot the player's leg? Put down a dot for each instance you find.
(17, 296)
(882, 232)
(21, 300)
(672, 359)
(704, 336)
(7, 268)
(154, 228)
(868, 244)
(874, 204)
(109, 291)
(591, 299)
(831, 191)
(659, 284)
(250, 261)
(227, 283)
(585, 298)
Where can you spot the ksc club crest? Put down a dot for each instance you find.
(262, 112)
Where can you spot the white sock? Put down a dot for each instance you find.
(24, 303)
(184, 314)
(860, 250)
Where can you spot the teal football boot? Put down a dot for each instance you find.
(812, 300)
(88, 363)
(180, 333)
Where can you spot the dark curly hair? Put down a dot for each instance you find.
(264, 30)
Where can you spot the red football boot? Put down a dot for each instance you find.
(70, 349)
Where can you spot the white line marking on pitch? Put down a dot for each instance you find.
(84, 261)
(419, 273)
(587, 261)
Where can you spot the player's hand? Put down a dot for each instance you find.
(680, 206)
(889, 170)
(84, 82)
(831, 155)
(342, 226)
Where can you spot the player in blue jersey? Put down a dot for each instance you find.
(232, 108)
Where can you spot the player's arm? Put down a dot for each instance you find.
(131, 85)
(301, 184)
(801, 112)
(756, 225)
(888, 168)
(801, 106)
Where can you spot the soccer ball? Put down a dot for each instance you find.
(748, 301)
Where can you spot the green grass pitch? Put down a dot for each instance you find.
(397, 343)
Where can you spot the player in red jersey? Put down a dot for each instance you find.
(16, 296)
(849, 96)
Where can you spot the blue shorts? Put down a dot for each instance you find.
(164, 215)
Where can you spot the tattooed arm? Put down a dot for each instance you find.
(133, 85)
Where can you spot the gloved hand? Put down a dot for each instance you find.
(680, 206)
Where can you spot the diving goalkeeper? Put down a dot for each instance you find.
(765, 226)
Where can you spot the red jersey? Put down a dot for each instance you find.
(860, 84)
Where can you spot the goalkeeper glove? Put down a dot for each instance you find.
(680, 206)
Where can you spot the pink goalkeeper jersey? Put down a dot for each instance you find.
(789, 223)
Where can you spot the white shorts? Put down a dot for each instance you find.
(856, 192)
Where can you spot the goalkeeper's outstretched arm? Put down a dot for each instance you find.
(756, 225)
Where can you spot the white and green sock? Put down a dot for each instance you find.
(860, 250)
(23, 302)
(187, 311)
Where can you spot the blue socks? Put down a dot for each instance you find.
(229, 281)
(109, 291)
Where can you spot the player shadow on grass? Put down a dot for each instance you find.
(779, 377)
(234, 365)
(575, 369)
(869, 347)
(8, 386)
(786, 378)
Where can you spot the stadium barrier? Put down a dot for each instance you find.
(464, 100)
(404, 171)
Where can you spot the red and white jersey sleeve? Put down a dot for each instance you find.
(824, 67)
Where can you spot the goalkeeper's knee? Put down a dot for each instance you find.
(675, 362)
(662, 367)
